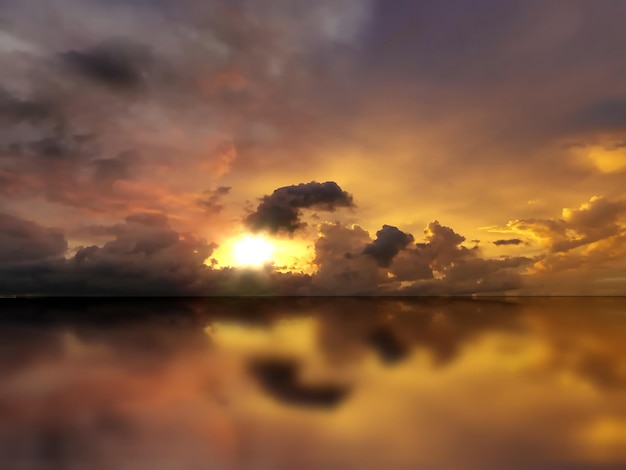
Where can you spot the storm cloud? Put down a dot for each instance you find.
(211, 200)
(144, 255)
(389, 241)
(508, 241)
(101, 118)
(24, 240)
(281, 210)
(115, 63)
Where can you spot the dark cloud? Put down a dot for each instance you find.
(510, 241)
(143, 233)
(241, 88)
(64, 167)
(607, 114)
(211, 199)
(15, 109)
(389, 241)
(444, 246)
(143, 257)
(583, 237)
(118, 64)
(282, 209)
(151, 219)
(23, 240)
(599, 219)
(439, 266)
(341, 268)
(109, 170)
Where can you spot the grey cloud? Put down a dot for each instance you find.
(15, 109)
(461, 270)
(602, 115)
(67, 168)
(341, 269)
(145, 233)
(209, 72)
(117, 64)
(211, 199)
(510, 241)
(151, 219)
(438, 266)
(443, 246)
(282, 209)
(109, 170)
(411, 265)
(599, 219)
(479, 275)
(389, 241)
(144, 257)
(23, 240)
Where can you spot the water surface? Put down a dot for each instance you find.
(313, 384)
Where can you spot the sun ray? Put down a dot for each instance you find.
(252, 251)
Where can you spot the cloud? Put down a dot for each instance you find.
(475, 276)
(439, 266)
(109, 170)
(145, 257)
(389, 241)
(142, 233)
(593, 221)
(341, 267)
(117, 64)
(454, 269)
(509, 241)
(206, 79)
(281, 210)
(443, 246)
(16, 109)
(602, 115)
(23, 240)
(583, 240)
(211, 199)
(100, 117)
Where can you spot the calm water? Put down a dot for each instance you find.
(313, 384)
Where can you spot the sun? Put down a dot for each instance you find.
(252, 251)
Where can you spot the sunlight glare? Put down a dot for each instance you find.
(252, 251)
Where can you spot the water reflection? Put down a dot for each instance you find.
(313, 384)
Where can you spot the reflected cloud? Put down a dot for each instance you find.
(230, 383)
(279, 377)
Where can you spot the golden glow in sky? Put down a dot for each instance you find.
(353, 153)
(252, 251)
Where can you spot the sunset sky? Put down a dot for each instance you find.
(312, 147)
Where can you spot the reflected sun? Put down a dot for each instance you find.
(252, 251)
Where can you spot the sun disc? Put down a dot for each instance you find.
(252, 251)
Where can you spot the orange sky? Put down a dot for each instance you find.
(503, 122)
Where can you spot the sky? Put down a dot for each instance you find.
(328, 147)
